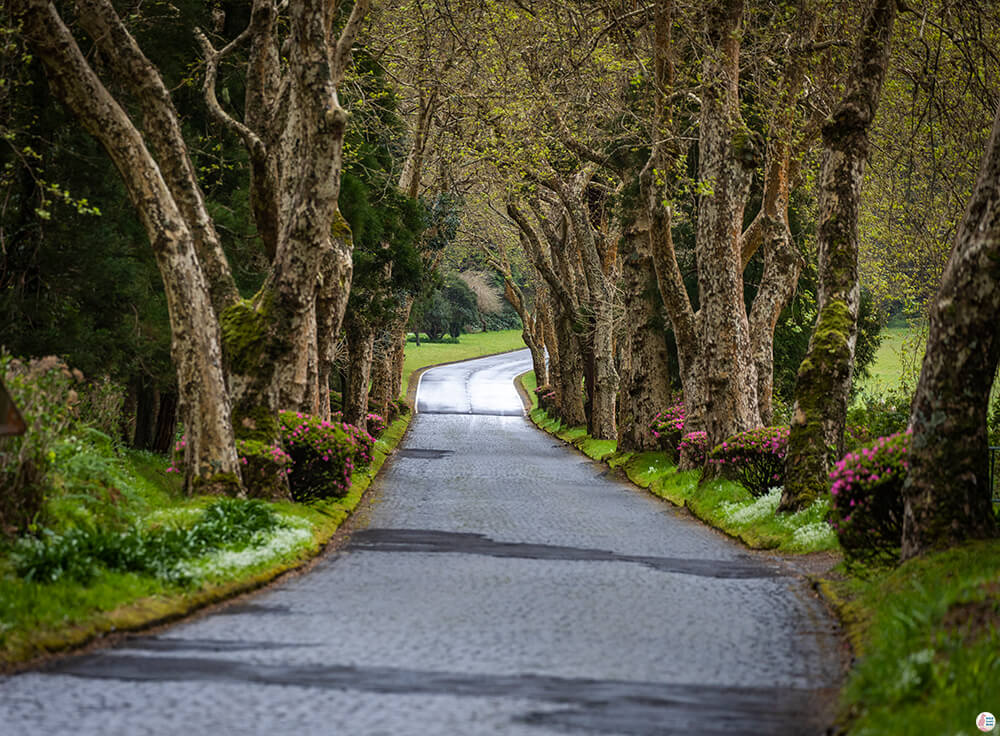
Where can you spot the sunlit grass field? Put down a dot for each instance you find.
(471, 345)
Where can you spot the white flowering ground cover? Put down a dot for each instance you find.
(285, 544)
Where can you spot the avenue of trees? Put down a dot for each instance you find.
(714, 202)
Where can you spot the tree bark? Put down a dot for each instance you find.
(210, 459)
(947, 498)
(360, 339)
(824, 380)
(727, 156)
(645, 383)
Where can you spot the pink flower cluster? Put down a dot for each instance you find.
(866, 488)
(756, 456)
(884, 460)
(694, 446)
(668, 427)
(376, 424)
(325, 453)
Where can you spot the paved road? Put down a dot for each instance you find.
(502, 584)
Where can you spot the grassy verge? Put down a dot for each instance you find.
(926, 635)
(723, 504)
(927, 640)
(39, 617)
(473, 345)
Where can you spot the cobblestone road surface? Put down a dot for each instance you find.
(502, 584)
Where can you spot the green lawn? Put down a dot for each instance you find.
(900, 354)
(472, 345)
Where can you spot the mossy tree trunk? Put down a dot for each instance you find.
(727, 156)
(210, 459)
(645, 383)
(656, 187)
(947, 498)
(550, 254)
(360, 344)
(824, 380)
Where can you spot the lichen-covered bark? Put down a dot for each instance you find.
(360, 342)
(336, 271)
(727, 156)
(645, 384)
(947, 498)
(210, 454)
(824, 379)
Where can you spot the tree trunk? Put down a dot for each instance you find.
(210, 459)
(947, 498)
(336, 270)
(569, 390)
(726, 158)
(166, 423)
(823, 386)
(360, 339)
(380, 398)
(645, 383)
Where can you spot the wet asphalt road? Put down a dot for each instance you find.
(500, 584)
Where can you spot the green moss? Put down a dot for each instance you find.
(341, 228)
(258, 424)
(221, 484)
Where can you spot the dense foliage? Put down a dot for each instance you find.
(81, 553)
(324, 454)
(757, 458)
(867, 511)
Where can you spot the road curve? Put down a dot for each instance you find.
(501, 584)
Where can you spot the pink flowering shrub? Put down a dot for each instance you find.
(264, 468)
(694, 447)
(324, 454)
(867, 509)
(756, 458)
(376, 424)
(668, 427)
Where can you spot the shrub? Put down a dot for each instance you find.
(376, 424)
(867, 511)
(324, 454)
(265, 468)
(101, 406)
(546, 397)
(756, 457)
(693, 448)
(877, 415)
(44, 391)
(668, 428)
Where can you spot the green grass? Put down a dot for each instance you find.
(927, 640)
(472, 345)
(41, 616)
(899, 355)
(723, 504)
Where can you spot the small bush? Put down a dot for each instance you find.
(756, 457)
(44, 390)
(81, 553)
(867, 511)
(265, 468)
(877, 415)
(546, 397)
(693, 448)
(668, 428)
(376, 424)
(324, 454)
